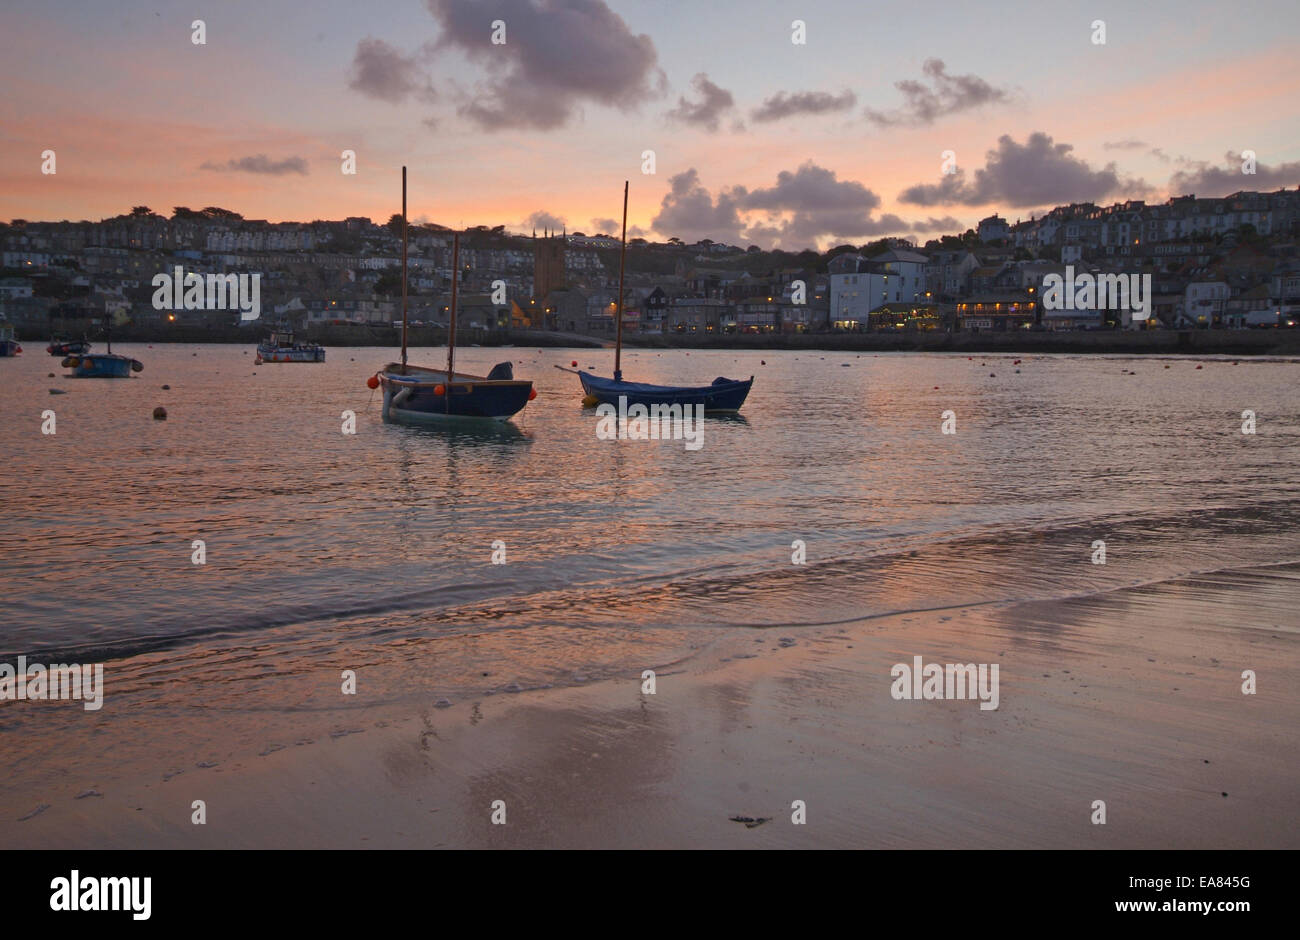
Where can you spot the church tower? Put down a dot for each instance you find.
(548, 265)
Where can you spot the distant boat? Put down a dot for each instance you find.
(422, 395)
(102, 365)
(724, 396)
(8, 344)
(66, 347)
(280, 347)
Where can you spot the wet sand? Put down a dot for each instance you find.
(1132, 697)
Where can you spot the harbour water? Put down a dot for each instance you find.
(374, 551)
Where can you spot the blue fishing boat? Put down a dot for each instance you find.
(724, 396)
(106, 365)
(8, 344)
(102, 366)
(421, 395)
(280, 347)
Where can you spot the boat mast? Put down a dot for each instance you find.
(404, 314)
(622, 259)
(451, 324)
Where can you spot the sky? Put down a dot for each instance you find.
(756, 139)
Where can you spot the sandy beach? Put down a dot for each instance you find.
(1132, 697)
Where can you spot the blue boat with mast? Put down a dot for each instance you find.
(102, 365)
(421, 395)
(723, 396)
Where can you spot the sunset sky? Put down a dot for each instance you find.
(757, 139)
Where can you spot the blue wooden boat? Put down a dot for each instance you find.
(420, 395)
(106, 365)
(416, 395)
(724, 396)
(102, 366)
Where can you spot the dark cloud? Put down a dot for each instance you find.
(705, 113)
(690, 212)
(946, 224)
(558, 55)
(946, 94)
(1204, 179)
(782, 105)
(1038, 172)
(802, 208)
(380, 71)
(259, 163)
(812, 188)
(1129, 144)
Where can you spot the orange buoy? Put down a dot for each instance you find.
(372, 382)
(532, 393)
(440, 390)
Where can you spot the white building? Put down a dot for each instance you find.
(859, 285)
(1203, 302)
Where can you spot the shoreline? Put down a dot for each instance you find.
(1131, 696)
(1272, 342)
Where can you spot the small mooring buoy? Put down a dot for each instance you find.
(166, 387)
(160, 413)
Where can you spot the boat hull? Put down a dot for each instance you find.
(73, 348)
(102, 366)
(724, 396)
(9, 347)
(413, 397)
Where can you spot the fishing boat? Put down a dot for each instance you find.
(66, 347)
(280, 347)
(424, 395)
(723, 396)
(102, 365)
(8, 344)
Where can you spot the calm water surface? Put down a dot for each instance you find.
(328, 551)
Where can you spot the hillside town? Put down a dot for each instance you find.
(1222, 263)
